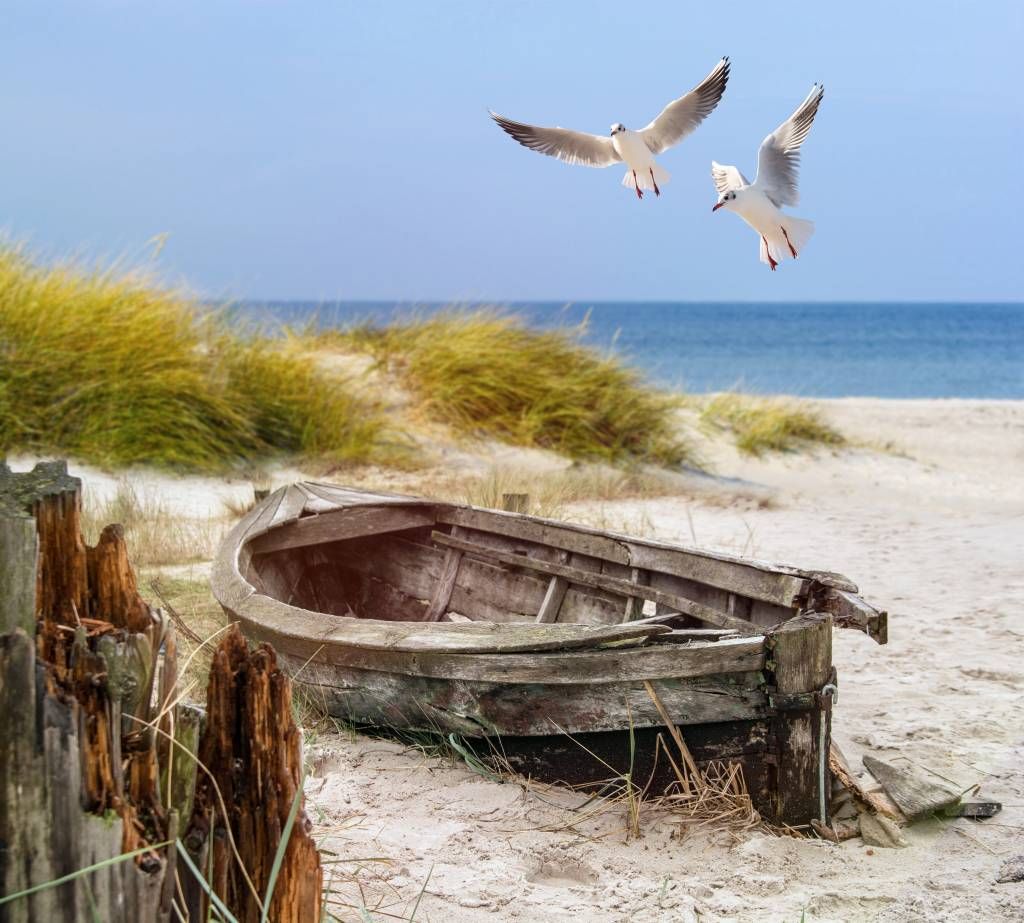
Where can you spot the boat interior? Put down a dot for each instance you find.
(436, 563)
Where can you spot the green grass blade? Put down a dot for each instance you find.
(215, 901)
(419, 897)
(95, 867)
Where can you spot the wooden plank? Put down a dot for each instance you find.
(849, 611)
(634, 604)
(268, 509)
(613, 584)
(536, 530)
(443, 591)
(552, 666)
(802, 652)
(757, 579)
(553, 600)
(586, 761)
(474, 708)
(288, 626)
(732, 576)
(342, 524)
(18, 560)
(291, 506)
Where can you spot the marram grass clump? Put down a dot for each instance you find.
(485, 372)
(114, 369)
(768, 424)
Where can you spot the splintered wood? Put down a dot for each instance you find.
(78, 662)
(97, 758)
(251, 750)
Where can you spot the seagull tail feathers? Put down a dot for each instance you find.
(643, 178)
(799, 231)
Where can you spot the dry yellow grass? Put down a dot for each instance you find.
(485, 372)
(768, 424)
(112, 368)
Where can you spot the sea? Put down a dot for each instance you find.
(820, 349)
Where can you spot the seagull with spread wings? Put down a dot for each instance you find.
(760, 203)
(635, 148)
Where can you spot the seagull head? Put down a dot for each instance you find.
(725, 200)
(617, 127)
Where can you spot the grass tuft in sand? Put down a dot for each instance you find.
(114, 369)
(768, 424)
(485, 372)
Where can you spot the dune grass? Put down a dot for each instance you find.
(484, 372)
(768, 424)
(155, 534)
(114, 369)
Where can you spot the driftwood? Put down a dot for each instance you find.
(915, 794)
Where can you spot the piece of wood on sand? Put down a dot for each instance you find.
(915, 794)
(877, 801)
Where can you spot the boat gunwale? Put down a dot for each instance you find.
(233, 592)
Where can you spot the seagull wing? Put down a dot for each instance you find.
(778, 161)
(683, 115)
(570, 146)
(727, 178)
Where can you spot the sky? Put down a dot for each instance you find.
(343, 151)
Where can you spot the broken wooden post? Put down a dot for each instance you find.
(515, 503)
(251, 749)
(801, 650)
(69, 796)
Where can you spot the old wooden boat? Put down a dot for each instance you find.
(411, 613)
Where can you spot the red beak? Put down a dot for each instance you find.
(718, 206)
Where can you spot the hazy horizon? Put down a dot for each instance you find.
(344, 152)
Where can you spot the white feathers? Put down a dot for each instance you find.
(759, 203)
(636, 148)
(683, 115)
(778, 160)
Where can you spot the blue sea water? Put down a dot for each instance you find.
(906, 350)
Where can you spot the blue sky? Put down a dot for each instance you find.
(342, 150)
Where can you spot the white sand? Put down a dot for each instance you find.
(931, 529)
(936, 536)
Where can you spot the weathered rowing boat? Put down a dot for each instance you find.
(412, 613)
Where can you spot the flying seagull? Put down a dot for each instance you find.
(760, 203)
(635, 148)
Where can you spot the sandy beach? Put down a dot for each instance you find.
(924, 511)
(931, 527)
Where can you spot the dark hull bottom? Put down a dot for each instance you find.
(559, 759)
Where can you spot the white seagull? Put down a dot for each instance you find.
(759, 203)
(636, 148)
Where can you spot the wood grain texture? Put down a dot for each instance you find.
(333, 526)
(252, 751)
(443, 590)
(558, 664)
(477, 708)
(802, 652)
(600, 581)
(552, 602)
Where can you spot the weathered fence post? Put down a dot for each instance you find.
(515, 503)
(64, 801)
(802, 654)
